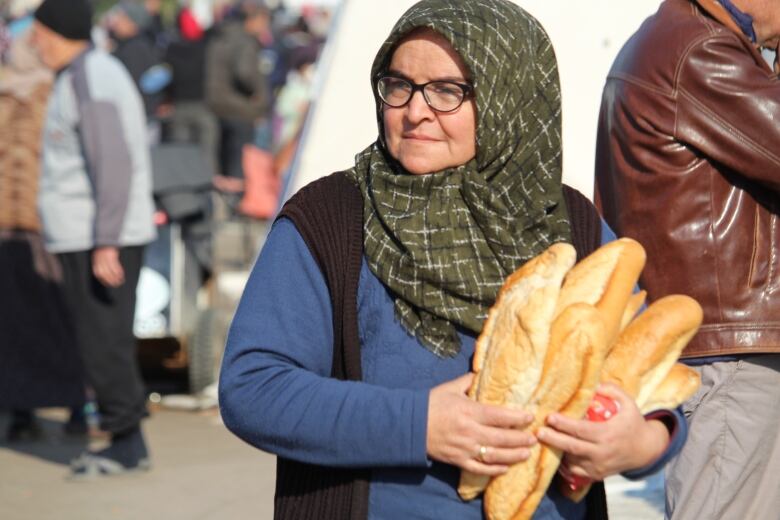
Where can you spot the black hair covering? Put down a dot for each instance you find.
(69, 18)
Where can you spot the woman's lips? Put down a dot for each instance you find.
(418, 137)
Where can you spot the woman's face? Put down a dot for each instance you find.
(421, 139)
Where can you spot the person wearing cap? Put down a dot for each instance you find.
(96, 209)
(128, 25)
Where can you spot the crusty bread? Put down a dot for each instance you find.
(643, 357)
(632, 308)
(605, 279)
(679, 385)
(543, 349)
(649, 346)
(527, 298)
(510, 351)
(570, 375)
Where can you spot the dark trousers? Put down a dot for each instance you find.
(193, 122)
(235, 134)
(103, 320)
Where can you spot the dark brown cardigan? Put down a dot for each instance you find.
(328, 213)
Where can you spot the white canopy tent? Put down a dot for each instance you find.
(586, 37)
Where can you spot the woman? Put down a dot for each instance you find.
(39, 363)
(349, 355)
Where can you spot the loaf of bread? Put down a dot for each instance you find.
(509, 353)
(606, 279)
(679, 385)
(516, 339)
(643, 360)
(645, 351)
(555, 331)
(569, 379)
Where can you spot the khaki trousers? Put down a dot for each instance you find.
(729, 469)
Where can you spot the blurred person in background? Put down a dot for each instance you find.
(39, 362)
(292, 104)
(155, 28)
(191, 120)
(128, 22)
(291, 32)
(236, 87)
(96, 207)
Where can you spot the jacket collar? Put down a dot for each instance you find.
(717, 11)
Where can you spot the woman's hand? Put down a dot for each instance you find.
(598, 449)
(458, 427)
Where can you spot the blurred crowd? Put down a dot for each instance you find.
(105, 107)
(224, 74)
(220, 73)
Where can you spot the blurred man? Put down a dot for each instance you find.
(236, 86)
(688, 163)
(192, 120)
(96, 208)
(128, 23)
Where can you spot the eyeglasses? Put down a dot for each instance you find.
(442, 96)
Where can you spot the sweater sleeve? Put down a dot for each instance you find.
(106, 152)
(675, 422)
(275, 391)
(607, 235)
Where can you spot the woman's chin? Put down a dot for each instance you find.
(420, 165)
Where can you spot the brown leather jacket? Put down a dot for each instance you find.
(688, 163)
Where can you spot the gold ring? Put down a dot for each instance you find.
(482, 452)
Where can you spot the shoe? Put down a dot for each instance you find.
(91, 466)
(127, 453)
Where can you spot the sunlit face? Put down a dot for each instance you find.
(123, 26)
(421, 139)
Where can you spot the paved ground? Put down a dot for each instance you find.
(201, 472)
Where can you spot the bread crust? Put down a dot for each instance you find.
(569, 378)
(642, 361)
(679, 385)
(648, 347)
(510, 350)
(544, 348)
(605, 279)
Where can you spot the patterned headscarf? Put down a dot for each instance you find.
(444, 242)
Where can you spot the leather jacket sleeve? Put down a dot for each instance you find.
(729, 108)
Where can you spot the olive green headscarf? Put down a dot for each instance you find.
(444, 242)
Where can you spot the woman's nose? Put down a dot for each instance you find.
(418, 109)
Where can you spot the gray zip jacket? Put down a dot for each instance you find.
(96, 178)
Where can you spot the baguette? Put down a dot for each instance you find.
(635, 303)
(679, 385)
(643, 358)
(646, 350)
(605, 279)
(569, 378)
(510, 351)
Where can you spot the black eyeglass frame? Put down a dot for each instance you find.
(466, 88)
